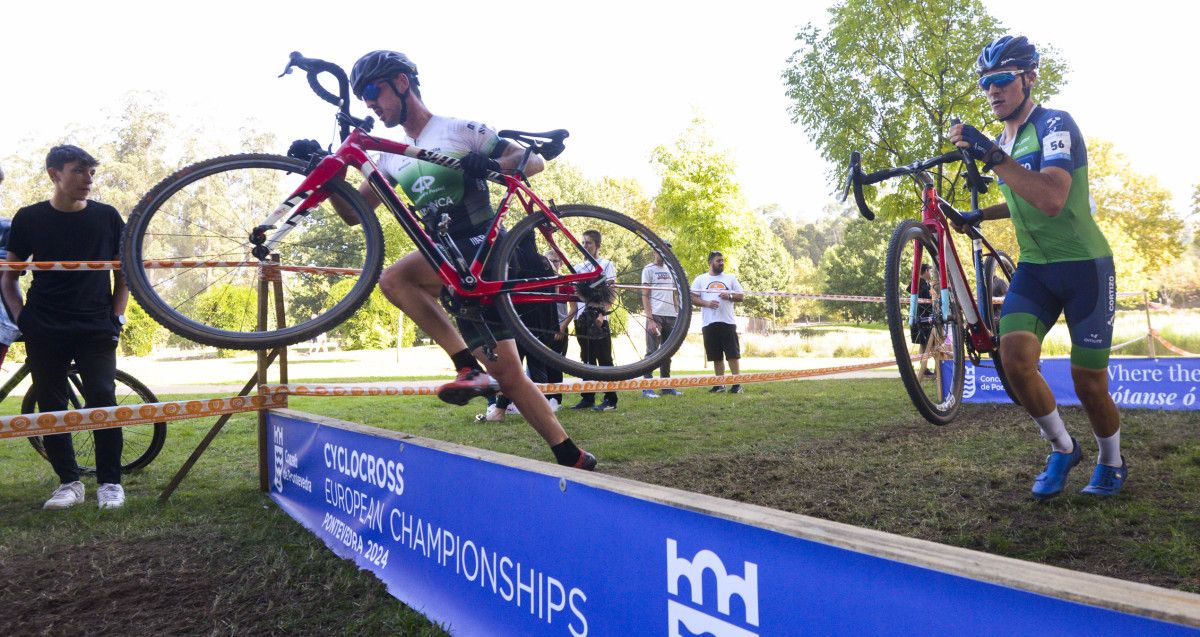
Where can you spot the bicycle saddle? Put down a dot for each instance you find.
(548, 144)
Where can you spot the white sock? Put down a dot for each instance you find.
(1110, 449)
(1055, 431)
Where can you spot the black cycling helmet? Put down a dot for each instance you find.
(1007, 51)
(380, 64)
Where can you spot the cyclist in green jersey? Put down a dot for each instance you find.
(1066, 264)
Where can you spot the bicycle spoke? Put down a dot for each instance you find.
(605, 333)
(925, 331)
(207, 213)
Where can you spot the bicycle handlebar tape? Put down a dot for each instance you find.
(856, 178)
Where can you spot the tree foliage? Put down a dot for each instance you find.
(1136, 214)
(142, 333)
(229, 307)
(810, 240)
(887, 77)
(373, 326)
(765, 265)
(699, 201)
(856, 266)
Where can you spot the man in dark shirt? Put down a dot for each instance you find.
(71, 316)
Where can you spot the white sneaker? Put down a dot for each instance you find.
(494, 414)
(554, 404)
(110, 496)
(512, 410)
(65, 496)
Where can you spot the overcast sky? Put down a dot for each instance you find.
(622, 76)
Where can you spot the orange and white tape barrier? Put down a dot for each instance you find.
(23, 266)
(40, 266)
(426, 388)
(58, 422)
(1169, 346)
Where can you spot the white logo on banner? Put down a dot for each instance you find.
(279, 453)
(727, 585)
(969, 382)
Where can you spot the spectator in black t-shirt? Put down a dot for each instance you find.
(71, 316)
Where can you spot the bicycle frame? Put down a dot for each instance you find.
(462, 278)
(933, 217)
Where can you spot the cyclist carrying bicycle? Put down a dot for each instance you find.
(1066, 264)
(387, 82)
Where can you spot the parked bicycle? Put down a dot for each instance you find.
(957, 324)
(205, 246)
(142, 443)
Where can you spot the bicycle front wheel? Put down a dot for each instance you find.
(998, 269)
(606, 337)
(142, 443)
(187, 255)
(925, 328)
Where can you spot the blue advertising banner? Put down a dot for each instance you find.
(1147, 383)
(489, 549)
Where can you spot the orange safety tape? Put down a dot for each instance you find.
(428, 389)
(311, 269)
(22, 266)
(1169, 346)
(57, 422)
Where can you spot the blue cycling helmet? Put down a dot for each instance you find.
(1008, 51)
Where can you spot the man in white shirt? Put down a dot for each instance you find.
(591, 326)
(661, 307)
(715, 293)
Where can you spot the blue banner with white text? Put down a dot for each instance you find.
(1146, 383)
(487, 549)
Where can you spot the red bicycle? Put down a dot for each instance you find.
(946, 324)
(204, 249)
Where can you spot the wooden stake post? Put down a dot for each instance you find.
(1149, 327)
(269, 280)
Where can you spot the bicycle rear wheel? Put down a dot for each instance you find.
(630, 246)
(142, 443)
(1002, 268)
(187, 255)
(929, 328)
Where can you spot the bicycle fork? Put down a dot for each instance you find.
(980, 335)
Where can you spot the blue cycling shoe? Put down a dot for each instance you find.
(1050, 482)
(1107, 481)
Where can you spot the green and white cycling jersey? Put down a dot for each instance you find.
(1051, 138)
(436, 189)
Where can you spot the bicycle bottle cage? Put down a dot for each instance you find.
(549, 144)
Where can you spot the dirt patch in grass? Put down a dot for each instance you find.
(184, 584)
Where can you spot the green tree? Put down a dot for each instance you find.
(562, 182)
(887, 77)
(699, 198)
(765, 265)
(856, 266)
(25, 178)
(133, 154)
(142, 333)
(1136, 214)
(373, 326)
(809, 241)
(229, 307)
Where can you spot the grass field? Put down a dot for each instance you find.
(222, 559)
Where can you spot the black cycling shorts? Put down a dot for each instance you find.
(472, 329)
